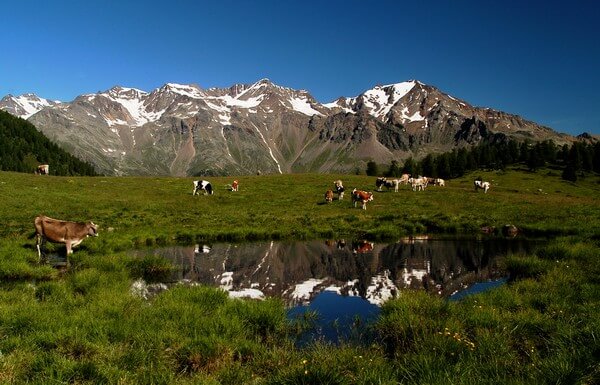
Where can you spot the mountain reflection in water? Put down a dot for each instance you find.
(298, 271)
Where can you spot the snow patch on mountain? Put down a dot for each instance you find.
(186, 90)
(302, 105)
(26, 105)
(31, 104)
(380, 100)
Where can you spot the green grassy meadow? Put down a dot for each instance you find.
(82, 325)
(133, 211)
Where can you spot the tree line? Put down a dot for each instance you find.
(23, 148)
(574, 160)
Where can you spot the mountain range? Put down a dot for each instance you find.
(183, 130)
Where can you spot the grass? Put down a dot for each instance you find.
(138, 211)
(83, 325)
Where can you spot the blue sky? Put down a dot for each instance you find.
(537, 59)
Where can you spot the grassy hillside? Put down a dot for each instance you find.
(23, 148)
(85, 325)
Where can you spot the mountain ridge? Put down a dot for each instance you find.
(183, 130)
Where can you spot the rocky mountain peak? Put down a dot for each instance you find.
(118, 92)
(25, 105)
(189, 90)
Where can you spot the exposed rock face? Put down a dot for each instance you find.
(185, 130)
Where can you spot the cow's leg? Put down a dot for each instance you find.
(38, 244)
(69, 248)
(42, 249)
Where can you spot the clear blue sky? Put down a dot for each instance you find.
(537, 59)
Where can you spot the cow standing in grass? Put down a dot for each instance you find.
(57, 231)
(339, 189)
(43, 169)
(418, 184)
(387, 183)
(479, 184)
(361, 196)
(404, 179)
(329, 196)
(202, 185)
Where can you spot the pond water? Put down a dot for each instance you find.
(340, 280)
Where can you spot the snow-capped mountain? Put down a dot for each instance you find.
(262, 127)
(25, 105)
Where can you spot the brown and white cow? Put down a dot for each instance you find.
(234, 185)
(361, 196)
(57, 231)
(43, 169)
(479, 184)
(329, 196)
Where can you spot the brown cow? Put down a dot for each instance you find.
(329, 196)
(57, 231)
(361, 196)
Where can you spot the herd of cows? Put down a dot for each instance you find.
(73, 233)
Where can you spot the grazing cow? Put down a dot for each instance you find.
(57, 231)
(202, 185)
(361, 196)
(43, 169)
(329, 196)
(439, 182)
(419, 183)
(339, 188)
(404, 179)
(234, 185)
(479, 184)
(388, 184)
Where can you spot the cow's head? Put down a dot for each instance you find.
(92, 229)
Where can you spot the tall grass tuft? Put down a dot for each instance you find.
(151, 268)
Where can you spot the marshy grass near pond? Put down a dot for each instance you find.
(83, 325)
